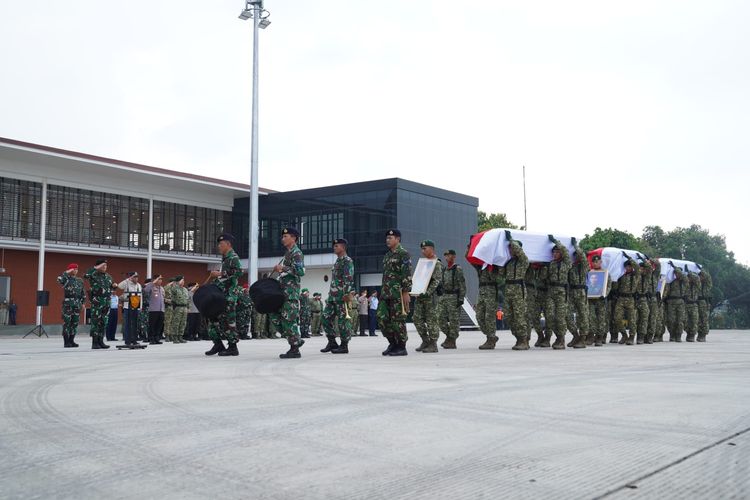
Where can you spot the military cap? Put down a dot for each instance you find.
(596, 258)
(72, 265)
(178, 277)
(305, 290)
(341, 241)
(172, 280)
(427, 243)
(316, 294)
(132, 274)
(290, 230)
(99, 262)
(149, 280)
(225, 237)
(393, 232)
(449, 252)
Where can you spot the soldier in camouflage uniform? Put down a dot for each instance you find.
(393, 307)
(487, 303)
(71, 308)
(143, 315)
(614, 330)
(339, 296)
(454, 292)
(290, 272)
(675, 305)
(598, 310)
(691, 305)
(425, 315)
(578, 303)
(180, 299)
(556, 308)
(514, 272)
(643, 299)
(352, 307)
(544, 333)
(316, 311)
(260, 327)
(168, 308)
(704, 304)
(305, 315)
(244, 313)
(100, 288)
(627, 286)
(654, 303)
(225, 326)
(533, 313)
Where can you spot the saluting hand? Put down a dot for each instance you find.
(215, 274)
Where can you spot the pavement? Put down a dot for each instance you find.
(652, 421)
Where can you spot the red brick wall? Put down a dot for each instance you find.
(22, 265)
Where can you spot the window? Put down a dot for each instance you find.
(20, 209)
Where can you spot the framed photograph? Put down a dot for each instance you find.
(596, 281)
(661, 286)
(422, 274)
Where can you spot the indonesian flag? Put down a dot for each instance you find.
(667, 271)
(613, 260)
(490, 248)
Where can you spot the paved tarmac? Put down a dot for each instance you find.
(661, 421)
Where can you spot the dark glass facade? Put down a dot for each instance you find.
(20, 209)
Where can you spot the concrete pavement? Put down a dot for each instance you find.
(660, 421)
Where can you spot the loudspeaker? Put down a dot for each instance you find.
(42, 298)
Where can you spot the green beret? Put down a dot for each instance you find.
(427, 243)
(305, 290)
(449, 252)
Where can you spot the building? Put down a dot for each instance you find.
(59, 206)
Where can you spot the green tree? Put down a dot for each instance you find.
(492, 221)
(612, 238)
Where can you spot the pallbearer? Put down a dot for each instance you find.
(704, 304)
(577, 276)
(394, 302)
(454, 292)
(598, 311)
(72, 303)
(426, 304)
(514, 273)
(339, 295)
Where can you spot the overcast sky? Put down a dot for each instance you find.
(626, 114)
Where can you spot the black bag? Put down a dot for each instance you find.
(267, 295)
(210, 301)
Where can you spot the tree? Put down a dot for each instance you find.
(612, 238)
(492, 221)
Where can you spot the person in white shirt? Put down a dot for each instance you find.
(372, 312)
(132, 297)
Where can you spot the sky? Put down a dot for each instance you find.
(625, 114)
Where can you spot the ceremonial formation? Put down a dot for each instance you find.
(543, 284)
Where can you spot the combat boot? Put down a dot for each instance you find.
(623, 339)
(100, 341)
(422, 345)
(574, 340)
(631, 339)
(431, 346)
(545, 341)
(678, 337)
(449, 344)
(580, 343)
(559, 342)
(649, 339)
(231, 350)
(701, 338)
(66, 340)
(331, 345)
(344, 349)
(489, 344)
(73, 340)
(690, 338)
(217, 348)
(613, 337)
(391, 346)
(639, 339)
(399, 349)
(292, 353)
(590, 338)
(522, 344)
(598, 341)
(539, 340)
(94, 343)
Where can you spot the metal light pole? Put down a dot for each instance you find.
(254, 10)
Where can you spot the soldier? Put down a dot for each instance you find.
(487, 303)
(614, 330)
(168, 308)
(598, 308)
(533, 309)
(704, 304)
(425, 315)
(143, 334)
(100, 286)
(654, 303)
(556, 308)
(316, 309)
(577, 276)
(244, 313)
(514, 272)
(395, 300)
(352, 308)
(643, 299)
(72, 303)
(627, 286)
(336, 315)
(260, 327)
(304, 314)
(675, 307)
(454, 292)
(544, 332)
(180, 298)
(290, 272)
(691, 304)
(225, 326)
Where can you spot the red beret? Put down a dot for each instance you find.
(71, 266)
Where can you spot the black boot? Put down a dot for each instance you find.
(66, 340)
(292, 353)
(102, 345)
(231, 350)
(72, 340)
(344, 349)
(217, 348)
(331, 345)
(391, 346)
(94, 343)
(399, 350)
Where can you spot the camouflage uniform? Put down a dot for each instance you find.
(143, 318)
(599, 315)
(533, 309)
(180, 300)
(627, 287)
(675, 306)
(396, 279)
(514, 273)
(304, 315)
(425, 315)
(614, 331)
(544, 333)
(487, 304)
(244, 314)
(316, 309)
(225, 326)
(704, 305)
(334, 317)
(578, 302)
(643, 301)
(556, 308)
(654, 305)
(691, 305)
(287, 321)
(449, 311)
(260, 329)
(71, 307)
(100, 289)
(168, 309)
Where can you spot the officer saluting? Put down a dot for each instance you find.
(72, 303)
